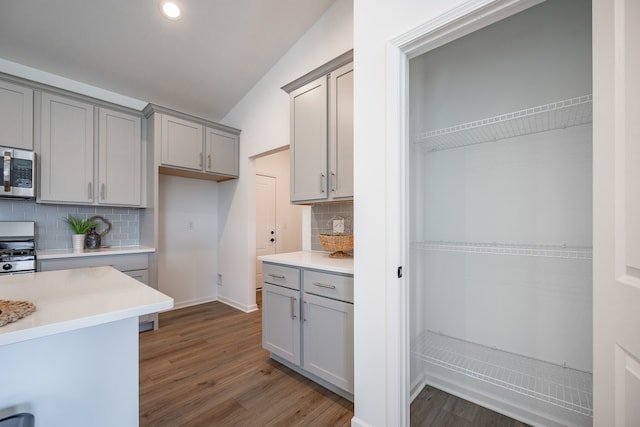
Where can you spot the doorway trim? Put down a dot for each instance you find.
(458, 22)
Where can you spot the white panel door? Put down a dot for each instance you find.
(616, 95)
(265, 221)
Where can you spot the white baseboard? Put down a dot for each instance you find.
(189, 303)
(357, 422)
(237, 305)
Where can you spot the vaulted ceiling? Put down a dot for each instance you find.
(203, 63)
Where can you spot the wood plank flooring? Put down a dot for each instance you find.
(205, 366)
(436, 408)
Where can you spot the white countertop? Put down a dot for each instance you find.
(68, 253)
(67, 300)
(312, 259)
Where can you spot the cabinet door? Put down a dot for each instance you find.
(66, 155)
(308, 109)
(119, 164)
(328, 340)
(341, 132)
(222, 152)
(16, 116)
(181, 143)
(281, 322)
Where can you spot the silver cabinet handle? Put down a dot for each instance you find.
(200, 159)
(102, 192)
(292, 302)
(333, 181)
(322, 182)
(6, 171)
(304, 311)
(324, 285)
(277, 276)
(209, 161)
(90, 188)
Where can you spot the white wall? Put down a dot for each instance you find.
(375, 24)
(288, 216)
(263, 116)
(188, 232)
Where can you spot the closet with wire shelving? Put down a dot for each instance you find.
(500, 216)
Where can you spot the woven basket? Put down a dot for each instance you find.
(338, 243)
(10, 311)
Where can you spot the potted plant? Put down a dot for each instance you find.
(79, 226)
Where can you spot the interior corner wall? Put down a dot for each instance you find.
(263, 117)
(188, 227)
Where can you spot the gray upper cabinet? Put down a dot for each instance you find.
(192, 147)
(16, 116)
(321, 120)
(341, 132)
(66, 152)
(70, 170)
(222, 154)
(308, 107)
(181, 143)
(119, 158)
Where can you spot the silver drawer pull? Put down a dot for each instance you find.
(277, 276)
(324, 285)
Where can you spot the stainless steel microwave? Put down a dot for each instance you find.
(18, 173)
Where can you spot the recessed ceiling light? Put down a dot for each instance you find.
(170, 10)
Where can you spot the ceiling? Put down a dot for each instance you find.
(202, 64)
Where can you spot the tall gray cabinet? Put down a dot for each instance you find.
(321, 111)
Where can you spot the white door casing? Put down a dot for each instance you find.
(265, 221)
(616, 251)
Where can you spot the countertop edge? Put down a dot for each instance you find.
(316, 260)
(87, 322)
(68, 253)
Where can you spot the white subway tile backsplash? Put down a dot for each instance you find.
(53, 233)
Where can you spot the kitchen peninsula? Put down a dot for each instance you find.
(74, 361)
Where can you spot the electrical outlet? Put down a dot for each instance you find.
(219, 279)
(338, 226)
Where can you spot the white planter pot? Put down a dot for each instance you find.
(78, 242)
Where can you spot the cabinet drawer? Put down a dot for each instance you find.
(280, 275)
(119, 262)
(328, 285)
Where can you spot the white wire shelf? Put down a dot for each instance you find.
(558, 385)
(557, 115)
(496, 248)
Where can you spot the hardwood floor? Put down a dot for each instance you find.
(205, 366)
(433, 407)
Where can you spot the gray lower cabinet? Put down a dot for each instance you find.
(134, 265)
(307, 323)
(327, 319)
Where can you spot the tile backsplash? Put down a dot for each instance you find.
(321, 215)
(53, 233)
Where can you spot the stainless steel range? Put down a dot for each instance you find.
(17, 247)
